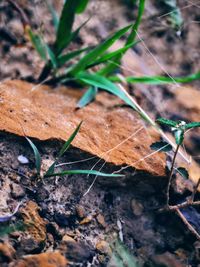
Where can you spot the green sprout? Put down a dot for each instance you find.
(51, 170)
(178, 128)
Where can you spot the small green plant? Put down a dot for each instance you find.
(51, 170)
(174, 13)
(178, 128)
(58, 62)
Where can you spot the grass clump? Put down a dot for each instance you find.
(51, 170)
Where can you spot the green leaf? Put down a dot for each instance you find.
(192, 125)
(161, 146)
(66, 21)
(51, 57)
(174, 13)
(183, 172)
(88, 97)
(157, 79)
(110, 55)
(166, 122)
(98, 51)
(76, 32)
(63, 149)
(179, 136)
(37, 43)
(103, 83)
(82, 6)
(36, 154)
(69, 141)
(62, 59)
(110, 68)
(54, 15)
(91, 172)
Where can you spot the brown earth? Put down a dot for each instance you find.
(70, 227)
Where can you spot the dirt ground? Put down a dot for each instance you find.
(59, 216)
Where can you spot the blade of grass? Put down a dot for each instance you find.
(64, 149)
(88, 97)
(54, 15)
(76, 32)
(98, 51)
(82, 6)
(110, 68)
(110, 55)
(103, 83)
(36, 154)
(37, 43)
(62, 59)
(91, 172)
(51, 57)
(157, 79)
(66, 21)
(174, 13)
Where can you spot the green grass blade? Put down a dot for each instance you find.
(66, 21)
(91, 172)
(166, 122)
(192, 125)
(51, 57)
(103, 83)
(63, 149)
(156, 80)
(110, 68)
(54, 15)
(38, 44)
(174, 13)
(88, 97)
(76, 32)
(131, 37)
(98, 51)
(69, 141)
(111, 55)
(62, 59)
(82, 6)
(37, 156)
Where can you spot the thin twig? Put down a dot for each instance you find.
(183, 205)
(171, 173)
(189, 226)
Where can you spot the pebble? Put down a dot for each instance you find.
(86, 220)
(80, 211)
(101, 220)
(103, 247)
(137, 207)
(22, 159)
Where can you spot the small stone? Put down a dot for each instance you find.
(136, 207)
(101, 220)
(22, 159)
(7, 252)
(86, 220)
(67, 238)
(17, 191)
(80, 211)
(103, 247)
